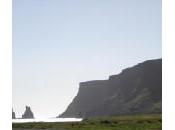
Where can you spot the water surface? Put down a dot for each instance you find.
(47, 120)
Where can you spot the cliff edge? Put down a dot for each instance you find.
(137, 89)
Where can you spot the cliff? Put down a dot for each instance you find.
(135, 90)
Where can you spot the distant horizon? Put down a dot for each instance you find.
(57, 44)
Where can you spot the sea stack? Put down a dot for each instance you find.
(28, 114)
(13, 115)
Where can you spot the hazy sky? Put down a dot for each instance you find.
(59, 43)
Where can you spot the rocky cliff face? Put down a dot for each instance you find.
(135, 90)
(28, 114)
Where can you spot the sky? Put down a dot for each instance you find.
(59, 43)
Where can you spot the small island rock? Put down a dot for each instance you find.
(28, 114)
(13, 115)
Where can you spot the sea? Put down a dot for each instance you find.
(47, 120)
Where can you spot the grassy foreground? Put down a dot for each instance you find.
(133, 122)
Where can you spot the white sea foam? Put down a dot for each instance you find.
(47, 120)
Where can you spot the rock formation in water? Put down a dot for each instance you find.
(135, 90)
(28, 114)
(13, 115)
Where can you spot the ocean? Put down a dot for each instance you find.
(47, 120)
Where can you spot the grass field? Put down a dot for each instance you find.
(133, 122)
